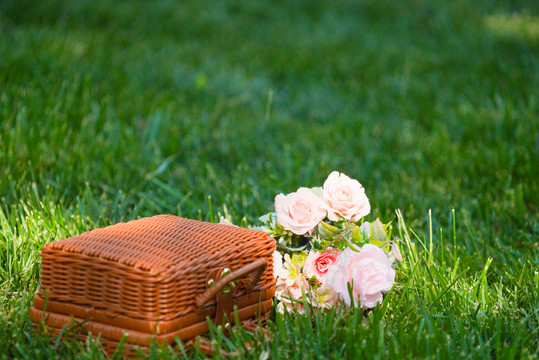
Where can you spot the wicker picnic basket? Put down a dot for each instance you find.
(155, 279)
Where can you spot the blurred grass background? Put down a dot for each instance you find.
(111, 111)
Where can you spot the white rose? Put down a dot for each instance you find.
(345, 197)
(299, 212)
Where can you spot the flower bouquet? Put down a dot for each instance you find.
(326, 253)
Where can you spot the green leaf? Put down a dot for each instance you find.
(328, 230)
(356, 235)
(376, 242)
(378, 231)
(268, 218)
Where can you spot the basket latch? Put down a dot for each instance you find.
(223, 287)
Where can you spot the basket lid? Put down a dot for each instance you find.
(156, 244)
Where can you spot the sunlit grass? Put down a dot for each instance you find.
(520, 25)
(435, 294)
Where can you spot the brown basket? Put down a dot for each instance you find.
(149, 278)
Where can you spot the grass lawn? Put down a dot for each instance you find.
(115, 110)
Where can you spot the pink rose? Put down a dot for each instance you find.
(291, 288)
(299, 212)
(288, 290)
(317, 264)
(325, 297)
(345, 197)
(277, 264)
(369, 272)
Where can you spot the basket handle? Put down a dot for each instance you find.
(256, 268)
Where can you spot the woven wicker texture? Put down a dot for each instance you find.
(114, 334)
(150, 269)
(132, 350)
